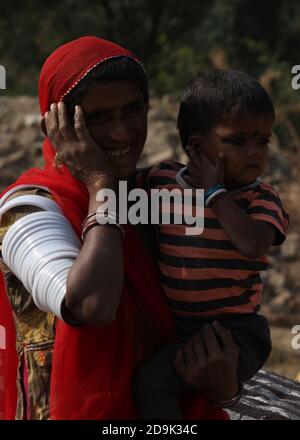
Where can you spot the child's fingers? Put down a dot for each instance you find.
(189, 180)
(194, 157)
(220, 167)
(192, 174)
(191, 168)
(206, 162)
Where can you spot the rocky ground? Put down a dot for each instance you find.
(20, 148)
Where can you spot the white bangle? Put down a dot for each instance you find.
(19, 188)
(181, 180)
(32, 200)
(40, 249)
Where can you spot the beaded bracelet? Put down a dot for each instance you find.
(212, 189)
(212, 192)
(214, 196)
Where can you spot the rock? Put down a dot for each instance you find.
(268, 396)
(290, 248)
(32, 120)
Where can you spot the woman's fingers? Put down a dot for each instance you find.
(179, 360)
(199, 349)
(190, 359)
(51, 120)
(52, 127)
(211, 342)
(228, 344)
(189, 354)
(81, 130)
(43, 126)
(64, 126)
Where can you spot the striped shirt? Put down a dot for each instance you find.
(205, 275)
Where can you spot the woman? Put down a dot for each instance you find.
(107, 282)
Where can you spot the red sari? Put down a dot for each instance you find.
(92, 366)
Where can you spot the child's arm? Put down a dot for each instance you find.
(251, 237)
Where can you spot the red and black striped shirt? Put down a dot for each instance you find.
(205, 275)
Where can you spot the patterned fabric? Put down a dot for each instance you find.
(206, 275)
(35, 331)
(268, 396)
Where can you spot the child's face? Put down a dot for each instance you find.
(244, 141)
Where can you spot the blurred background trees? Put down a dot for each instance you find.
(173, 38)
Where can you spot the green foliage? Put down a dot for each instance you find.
(173, 38)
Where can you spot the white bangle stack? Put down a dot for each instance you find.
(40, 249)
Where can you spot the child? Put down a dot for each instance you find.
(225, 123)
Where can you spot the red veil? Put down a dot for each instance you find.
(92, 366)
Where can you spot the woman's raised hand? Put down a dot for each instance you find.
(75, 147)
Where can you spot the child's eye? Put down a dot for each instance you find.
(234, 141)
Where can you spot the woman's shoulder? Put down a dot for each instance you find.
(14, 213)
(10, 216)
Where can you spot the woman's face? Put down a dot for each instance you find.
(116, 117)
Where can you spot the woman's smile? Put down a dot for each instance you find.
(117, 152)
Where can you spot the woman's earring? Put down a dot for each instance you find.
(57, 163)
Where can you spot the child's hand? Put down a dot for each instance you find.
(201, 173)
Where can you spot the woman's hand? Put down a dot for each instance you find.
(75, 147)
(209, 361)
(201, 173)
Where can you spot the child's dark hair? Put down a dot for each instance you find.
(215, 95)
(115, 69)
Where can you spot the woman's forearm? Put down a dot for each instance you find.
(95, 281)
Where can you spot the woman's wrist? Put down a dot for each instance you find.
(101, 181)
(230, 402)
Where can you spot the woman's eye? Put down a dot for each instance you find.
(97, 119)
(133, 109)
